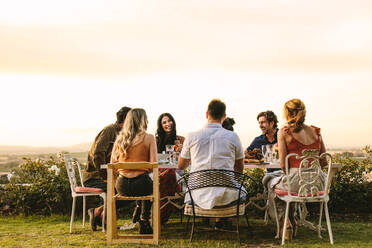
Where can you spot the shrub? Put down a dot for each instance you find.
(48, 191)
(351, 191)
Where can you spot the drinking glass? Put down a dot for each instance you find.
(270, 152)
(264, 153)
(169, 149)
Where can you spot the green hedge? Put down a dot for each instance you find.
(48, 191)
(351, 191)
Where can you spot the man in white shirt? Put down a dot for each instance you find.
(212, 147)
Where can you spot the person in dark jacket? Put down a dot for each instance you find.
(269, 126)
(100, 153)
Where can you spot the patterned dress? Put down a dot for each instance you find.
(167, 187)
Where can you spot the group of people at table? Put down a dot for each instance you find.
(215, 146)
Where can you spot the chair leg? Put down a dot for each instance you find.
(192, 228)
(237, 228)
(328, 223)
(72, 212)
(266, 217)
(187, 225)
(285, 223)
(277, 221)
(249, 226)
(295, 212)
(84, 209)
(104, 213)
(320, 220)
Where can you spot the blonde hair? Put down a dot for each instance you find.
(294, 112)
(135, 124)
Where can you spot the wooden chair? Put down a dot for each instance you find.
(81, 191)
(216, 178)
(112, 233)
(313, 187)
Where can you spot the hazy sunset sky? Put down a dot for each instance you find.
(66, 67)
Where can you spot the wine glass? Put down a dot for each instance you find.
(264, 152)
(169, 149)
(270, 152)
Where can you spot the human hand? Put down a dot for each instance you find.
(177, 146)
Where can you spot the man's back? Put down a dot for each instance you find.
(212, 147)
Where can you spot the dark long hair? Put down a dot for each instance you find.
(163, 138)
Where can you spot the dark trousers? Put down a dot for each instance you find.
(138, 186)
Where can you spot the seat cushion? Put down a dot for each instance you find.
(88, 190)
(214, 212)
(284, 192)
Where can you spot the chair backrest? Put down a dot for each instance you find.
(70, 162)
(80, 170)
(215, 178)
(133, 165)
(111, 212)
(310, 179)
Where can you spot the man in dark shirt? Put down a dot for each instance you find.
(269, 125)
(100, 153)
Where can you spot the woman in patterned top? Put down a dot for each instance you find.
(166, 134)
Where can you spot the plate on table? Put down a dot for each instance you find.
(253, 161)
(163, 162)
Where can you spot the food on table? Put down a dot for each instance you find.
(251, 161)
(254, 154)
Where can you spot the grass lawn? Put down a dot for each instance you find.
(36, 231)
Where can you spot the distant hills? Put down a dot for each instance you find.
(83, 147)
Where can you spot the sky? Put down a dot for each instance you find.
(66, 67)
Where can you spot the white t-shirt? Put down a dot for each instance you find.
(212, 147)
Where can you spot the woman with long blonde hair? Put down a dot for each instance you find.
(133, 144)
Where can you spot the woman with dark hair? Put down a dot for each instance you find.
(166, 134)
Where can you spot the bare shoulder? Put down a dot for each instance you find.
(312, 130)
(149, 137)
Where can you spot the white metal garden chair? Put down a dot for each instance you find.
(78, 191)
(313, 187)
